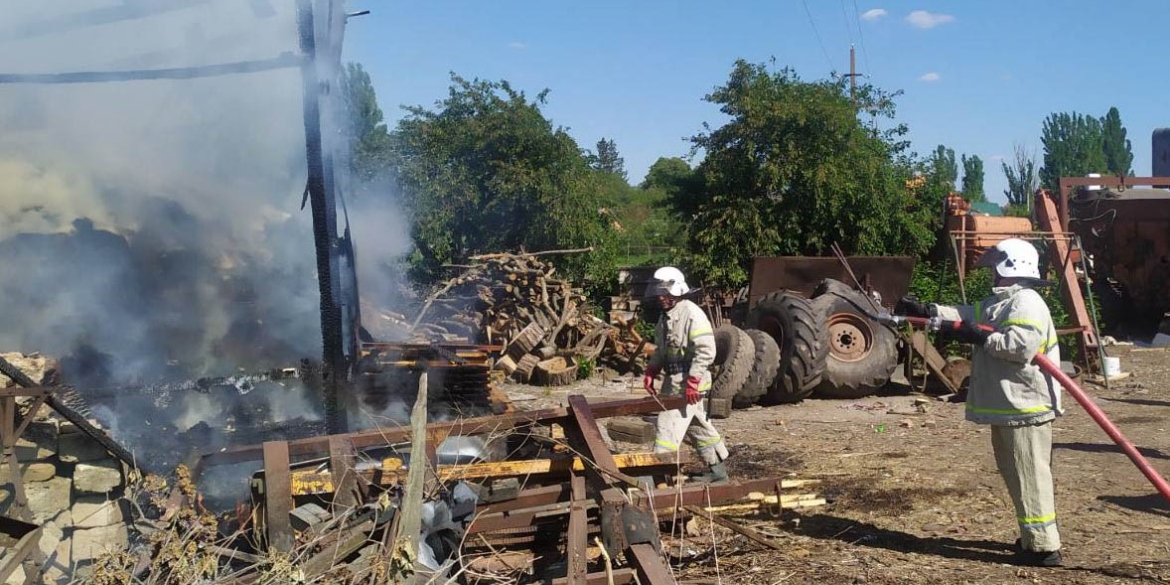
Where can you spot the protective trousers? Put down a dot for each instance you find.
(1024, 457)
(691, 423)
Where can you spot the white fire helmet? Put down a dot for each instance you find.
(669, 280)
(1012, 258)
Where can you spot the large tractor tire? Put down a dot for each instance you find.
(734, 352)
(792, 322)
(862, 353)
(764, 367)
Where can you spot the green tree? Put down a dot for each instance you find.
(944, 171)
(1073, 147)
(1117, 148)
(795, 170)
(368, 137)
(973, 178)
(486, 171)
(1021, 178)
(669, 174)
(607, 159)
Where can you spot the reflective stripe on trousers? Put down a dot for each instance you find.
(1023, 455)
(690, 424)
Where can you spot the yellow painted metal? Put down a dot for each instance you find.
(310, 482)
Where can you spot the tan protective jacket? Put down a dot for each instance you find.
(686, 347)
(1007, 389)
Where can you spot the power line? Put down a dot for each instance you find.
(848, 25)
(818, 34)
(861, 38)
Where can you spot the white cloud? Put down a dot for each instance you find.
(517, 45)
(873, 14)
(997, 158)
(924, 19)
(932, 76)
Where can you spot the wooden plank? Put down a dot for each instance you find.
(277, 496)
(410, 515)
(736, 528)
(577, 537)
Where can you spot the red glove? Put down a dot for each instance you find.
(693, 396)
(648, 379)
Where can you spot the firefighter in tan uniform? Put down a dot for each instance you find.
(685, 351)
(1010, 393)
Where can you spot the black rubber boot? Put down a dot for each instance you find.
(1036, 558)
(717, 473)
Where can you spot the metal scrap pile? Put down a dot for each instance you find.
(362, 508)
(517, 300)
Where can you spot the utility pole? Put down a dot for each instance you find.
(853, 75)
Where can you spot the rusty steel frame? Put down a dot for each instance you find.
(301, 448)
(1066, 184)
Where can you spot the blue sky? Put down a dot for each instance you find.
(978, 76)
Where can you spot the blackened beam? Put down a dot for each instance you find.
(72, 416)
(284, 61)
(439, 431)
(323, 205)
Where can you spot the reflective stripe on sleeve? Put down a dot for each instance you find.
(697, 333)
(708, 443)
(666, 444)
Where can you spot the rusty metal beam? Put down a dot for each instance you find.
(345, 478)
(1070, 286)
(577, 537)
(582, 429)
(438, 431)
(617, 577)
(277, 496)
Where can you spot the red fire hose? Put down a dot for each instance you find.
(1053, 369)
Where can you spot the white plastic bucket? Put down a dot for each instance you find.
(1112, 366)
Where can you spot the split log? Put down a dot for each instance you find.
(507, 364)
(555, 372)
(524, 368)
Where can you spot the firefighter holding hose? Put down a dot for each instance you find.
(1009, 392)
(685, 350)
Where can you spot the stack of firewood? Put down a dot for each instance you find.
(516, 300)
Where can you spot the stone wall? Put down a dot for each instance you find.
(74, 487)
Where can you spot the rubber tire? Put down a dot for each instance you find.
(734, 352)
(803, 338)
(764, 367)
(864, 376)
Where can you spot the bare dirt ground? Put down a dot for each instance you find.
(916, 498)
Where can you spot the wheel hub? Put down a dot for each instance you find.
(850, 337)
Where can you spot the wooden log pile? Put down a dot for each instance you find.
(518, 301)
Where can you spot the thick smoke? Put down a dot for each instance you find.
(155, 221)
(153, 230)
